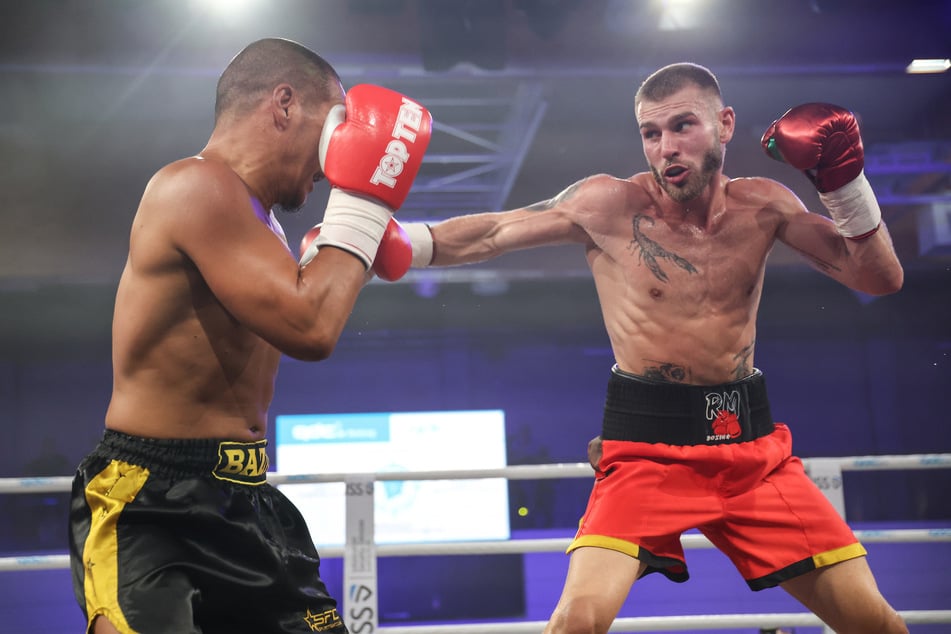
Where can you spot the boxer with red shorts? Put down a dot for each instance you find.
(678, 257)
(668, 466)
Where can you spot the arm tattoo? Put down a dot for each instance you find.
(649, 251)
(823, 266)
(743, 368)
(551, 202)
(669, 372)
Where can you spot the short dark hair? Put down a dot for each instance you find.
(266, 63)
(668, 80)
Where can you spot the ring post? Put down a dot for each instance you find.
(826, 473)
(361, 611)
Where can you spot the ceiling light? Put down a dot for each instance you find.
(928, 66)
(679, 15)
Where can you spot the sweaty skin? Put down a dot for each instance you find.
(678, 264)
(211, 296)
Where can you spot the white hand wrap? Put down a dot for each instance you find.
(422, 240)
(309, 254)
(854, 208)
(353, 223)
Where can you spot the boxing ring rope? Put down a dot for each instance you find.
(827, 467)
(555, 471)
(669, 623)
(511, 547)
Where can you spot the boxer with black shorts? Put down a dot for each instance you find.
(173, 527)
(678, 256)
(200, 510)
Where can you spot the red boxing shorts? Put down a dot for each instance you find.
(726, 470)
(186, 536)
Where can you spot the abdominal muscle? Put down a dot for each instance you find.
(680, 353)
(692, 332)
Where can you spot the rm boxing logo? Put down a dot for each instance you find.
(409, 119)
(723, 410)
(242, 462)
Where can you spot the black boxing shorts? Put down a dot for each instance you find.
(186, 536)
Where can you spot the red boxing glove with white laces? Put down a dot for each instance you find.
(823, 141)
(370, 151)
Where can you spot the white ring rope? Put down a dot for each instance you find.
(511, 547)
(667, 623)
(516, 472)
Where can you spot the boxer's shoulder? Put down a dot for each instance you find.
(611, 192)
(759, 192)
(639, 181)
(193, 184)
(196, 170)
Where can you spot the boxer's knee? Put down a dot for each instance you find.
(578, 616)
(884, 620)
(846, 598)
(892, 623)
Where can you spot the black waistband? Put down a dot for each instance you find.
(642, 410)
(241, 462)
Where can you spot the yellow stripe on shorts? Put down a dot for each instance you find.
(107, 494)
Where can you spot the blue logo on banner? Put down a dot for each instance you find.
(321, 428)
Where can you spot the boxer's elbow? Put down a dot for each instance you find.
(314, 341)
(894, 284)
(892, 279)
(887, 282)
(317, 345)
(311, 351)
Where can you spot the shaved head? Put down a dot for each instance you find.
(669, 80)
(262, 65)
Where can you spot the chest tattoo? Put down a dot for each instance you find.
(650, 252)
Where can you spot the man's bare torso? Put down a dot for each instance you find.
(679, 294)
(183, 366)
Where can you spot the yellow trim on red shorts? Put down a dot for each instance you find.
(602, 541)
(836, 555)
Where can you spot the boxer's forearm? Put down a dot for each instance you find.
(460, 240)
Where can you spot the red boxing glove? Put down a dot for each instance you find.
(370, 151)
(394, 255)
(377, 151)
(820, 139)
(823, 141)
